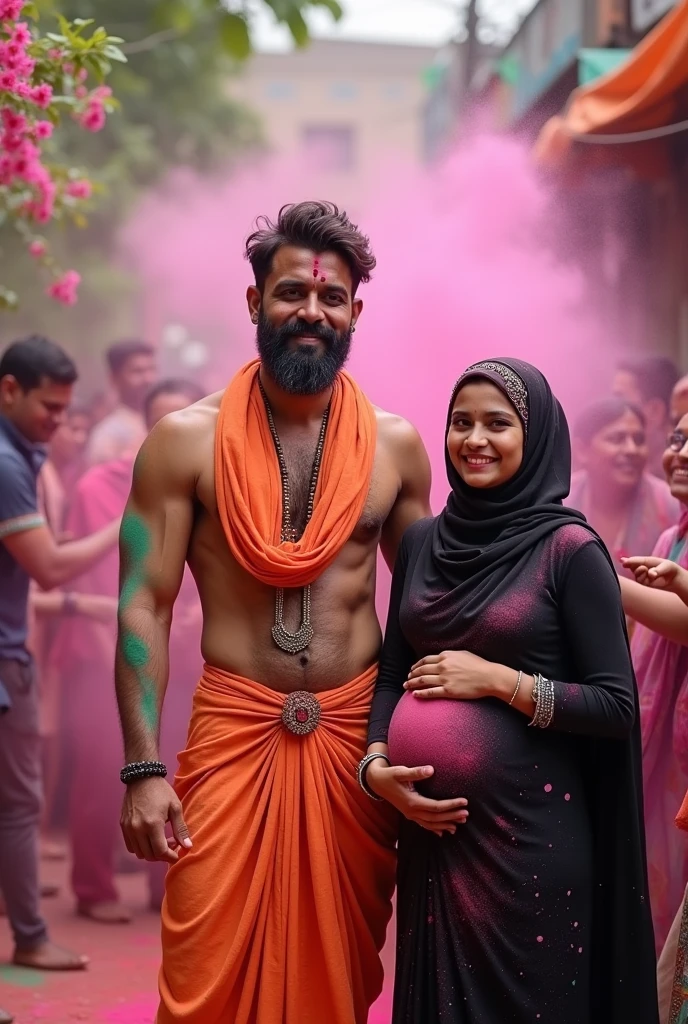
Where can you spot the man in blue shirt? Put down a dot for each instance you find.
(36, 382)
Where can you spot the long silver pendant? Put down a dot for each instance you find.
(293, 643)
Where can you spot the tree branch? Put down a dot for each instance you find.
(166, 35)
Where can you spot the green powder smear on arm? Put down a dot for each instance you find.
(136, 545)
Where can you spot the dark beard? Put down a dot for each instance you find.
(301, 371)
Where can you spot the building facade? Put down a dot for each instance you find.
(339, 107)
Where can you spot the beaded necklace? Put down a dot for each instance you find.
(294, 643)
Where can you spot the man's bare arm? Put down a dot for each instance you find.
(154, 538)
(413, 500)
(156, 529)
(51, 564)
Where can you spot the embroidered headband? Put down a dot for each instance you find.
(514, 386)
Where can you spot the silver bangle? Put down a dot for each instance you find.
(543, 695)
(518, 687)
(361, 773)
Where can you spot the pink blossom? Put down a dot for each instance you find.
(11, 143)
(8, 81)
(81, 92)
(10, 9)
(12, 50)
(12, 120)
(64, 288)
(82, 75)
(82, 189)
(68, 69)
(21, 167)
(93, 120)
(42, 95)
(43, 129)
(23, 90)
(55, 54)
(38, 249)
(43, 180)
(103, 92)
(21, 34)
(26, 66)
(43, 212)
(28, 151)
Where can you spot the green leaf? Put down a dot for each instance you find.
(30, 11)
(234, 35)
(114, 53)
(176, 14)
(298, 27)
(332, 6)
(9, 300)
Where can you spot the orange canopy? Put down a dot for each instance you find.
(648, 91)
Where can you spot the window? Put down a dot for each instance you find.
(393, 91)
(280, 90)
(343, 91)
(329, 147)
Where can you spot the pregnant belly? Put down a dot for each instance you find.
(472, 745)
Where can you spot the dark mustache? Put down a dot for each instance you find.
(301, 329)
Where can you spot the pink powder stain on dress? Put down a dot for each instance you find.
(541, 938)
(548, 787)
(567, 797)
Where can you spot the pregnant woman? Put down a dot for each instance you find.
(506, 680)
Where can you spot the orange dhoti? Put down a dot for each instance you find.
(278, 913)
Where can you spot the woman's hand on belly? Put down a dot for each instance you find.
(460, 675)
(396, 785)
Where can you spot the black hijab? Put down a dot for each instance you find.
(483, 536)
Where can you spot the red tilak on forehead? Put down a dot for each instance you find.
(316, 267)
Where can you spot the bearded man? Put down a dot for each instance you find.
(277, 492)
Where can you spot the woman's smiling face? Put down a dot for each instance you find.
(486, 438)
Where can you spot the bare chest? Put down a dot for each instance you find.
(299, 459)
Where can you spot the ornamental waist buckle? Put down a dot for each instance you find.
(301, 713)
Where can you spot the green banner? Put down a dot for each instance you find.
(593, 64)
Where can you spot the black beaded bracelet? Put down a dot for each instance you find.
(142, 770)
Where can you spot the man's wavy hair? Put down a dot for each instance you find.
(319, 226)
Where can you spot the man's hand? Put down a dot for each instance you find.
(659, 573)
(396, 785)
(148, 805)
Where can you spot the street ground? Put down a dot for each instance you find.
(120, 984)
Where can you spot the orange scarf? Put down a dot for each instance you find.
(249, 488)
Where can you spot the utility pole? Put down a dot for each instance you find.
(472, 44)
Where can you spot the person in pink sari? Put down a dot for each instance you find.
(628, 506)
(660, 658)
(87, 657)
(672, 966)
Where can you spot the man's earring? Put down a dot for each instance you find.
(353, 327)
(254, 318)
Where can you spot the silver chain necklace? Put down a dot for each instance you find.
(294, 643)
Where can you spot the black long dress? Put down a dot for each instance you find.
(535, 911)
